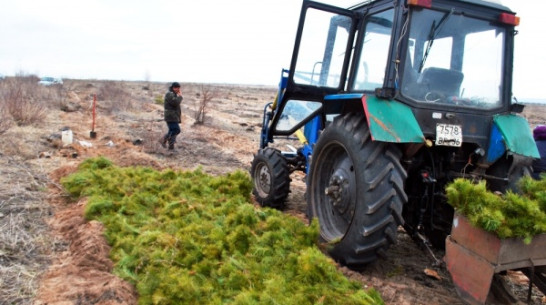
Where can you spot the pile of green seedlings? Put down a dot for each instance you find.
(521, 215)
(192, 238)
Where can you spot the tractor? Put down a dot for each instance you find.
(384, 104)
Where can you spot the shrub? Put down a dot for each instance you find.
(509, 215)
(206, 95)
(191, 238)
(21, 100)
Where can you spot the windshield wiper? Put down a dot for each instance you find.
(434, 31)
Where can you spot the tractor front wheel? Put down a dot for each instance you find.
(271, 178)
(356, 190)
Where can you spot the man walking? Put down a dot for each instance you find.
(172, 113)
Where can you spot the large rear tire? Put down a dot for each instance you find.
(271, 178)
(512, 169)
(356, 190)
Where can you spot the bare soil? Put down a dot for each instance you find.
(51, 255)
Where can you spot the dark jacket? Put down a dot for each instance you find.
(172, 107)
(539, 165)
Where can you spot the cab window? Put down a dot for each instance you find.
(370, 70)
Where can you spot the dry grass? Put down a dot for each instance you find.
(5, 119)
(147, 129)
(535, 114)
(150, 135)
(115, 98)
(23, 233)
(24, 242)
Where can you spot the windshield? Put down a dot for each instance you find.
(453, 59)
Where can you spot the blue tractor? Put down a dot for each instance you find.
(384, 104)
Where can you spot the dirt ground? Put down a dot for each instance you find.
(51, 255)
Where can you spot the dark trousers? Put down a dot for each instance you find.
(174, 130)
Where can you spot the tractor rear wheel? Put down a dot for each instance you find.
(271, 178)
(511, 169)
(356, 190)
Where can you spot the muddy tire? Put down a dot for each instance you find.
(270, 177)
(512, 169)
(356, 190)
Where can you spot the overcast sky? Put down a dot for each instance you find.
(212, 41)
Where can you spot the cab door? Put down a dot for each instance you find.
(320, 60)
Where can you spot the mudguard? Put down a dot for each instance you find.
(512, 133)
(391, 121)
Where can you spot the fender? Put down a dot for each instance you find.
(512, 133)
(391, 121)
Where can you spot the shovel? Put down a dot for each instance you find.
(93, 134)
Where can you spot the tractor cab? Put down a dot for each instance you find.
(430, 55)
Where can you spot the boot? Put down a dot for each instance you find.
(163, 142)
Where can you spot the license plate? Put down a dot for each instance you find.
(449, 135)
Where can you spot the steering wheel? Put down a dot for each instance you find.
(435, 96)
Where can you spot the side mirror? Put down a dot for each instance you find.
(516, 108)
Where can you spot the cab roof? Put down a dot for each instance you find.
(496, 4)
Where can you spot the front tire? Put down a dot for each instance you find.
(356, 190)
(271, 178)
